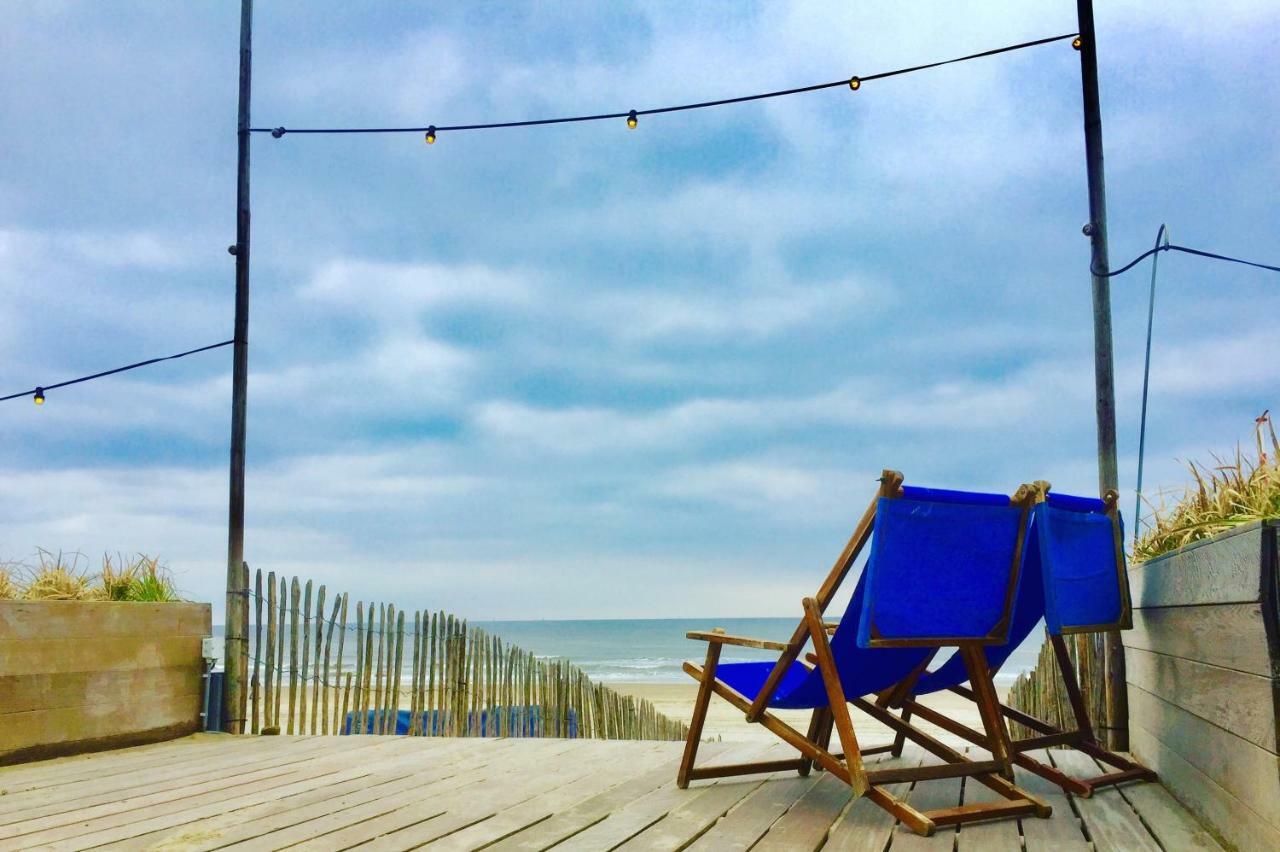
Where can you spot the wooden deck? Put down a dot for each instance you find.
(213, 792)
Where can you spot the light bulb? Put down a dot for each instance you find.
(39, 398)
(855, 83)
(632, 121)
(1076, 42)
(431, 135)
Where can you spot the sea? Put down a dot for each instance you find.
(651, 650)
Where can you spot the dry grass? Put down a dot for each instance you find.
(1228, 494)
(58, 578)
(61, 577)
(9, 587)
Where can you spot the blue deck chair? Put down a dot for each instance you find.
(942, 571)
(1075, 580)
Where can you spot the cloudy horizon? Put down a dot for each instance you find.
(584, 371)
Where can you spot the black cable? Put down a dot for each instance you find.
(116, 370)
(1168, 247)
(281, 131)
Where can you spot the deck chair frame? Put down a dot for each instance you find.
(834, 716)
(1082, 737)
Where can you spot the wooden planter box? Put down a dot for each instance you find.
(79, 676)
(1203, 661)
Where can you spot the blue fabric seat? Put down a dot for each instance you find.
(1069, 577)
(938, 573)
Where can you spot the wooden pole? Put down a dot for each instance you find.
(237, 591)
(257, 647)
(295, 594)
(318, 676)
(268, 703)
(1103, 367)
(340, 716)
(306, 658)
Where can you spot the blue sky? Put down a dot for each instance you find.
(583, 371)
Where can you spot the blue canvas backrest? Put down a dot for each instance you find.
(1086, 587)
(943, 568)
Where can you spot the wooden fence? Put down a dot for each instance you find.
(1042, 693)
(462, 682)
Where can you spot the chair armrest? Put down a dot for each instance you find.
(744, 641)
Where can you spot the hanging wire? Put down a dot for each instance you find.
(855, 82)
(1186, 250)
(1162, 234)
(39, 391)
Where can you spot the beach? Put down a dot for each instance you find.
(725, 722)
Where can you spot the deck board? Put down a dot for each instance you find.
(206, 792)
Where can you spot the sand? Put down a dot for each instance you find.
(725, 722)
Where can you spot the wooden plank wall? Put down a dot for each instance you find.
(80, 676)
(1204, 680)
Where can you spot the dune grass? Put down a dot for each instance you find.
(65, 577)
(1229, 493)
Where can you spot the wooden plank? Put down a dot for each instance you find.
(1004, 835)
(1240, 825)
(628, 820)
(865, 826)
(1171, 823)
(129, 802)
(1063, 832)
(514, 819)
(401, 811)
(45, 691)
(691, 818)
(372, 782)
(1229, 635)
(806, 823)
(1238, 767)
(568, 823)
(927, 796)
(131, 823)
(1221, 570)
(159, 708)
(1112, 824)
(748, 821)
(109, 653)
(1234, 701)
(27, 776)
(79, 796)
(475, 806)
(27, 620)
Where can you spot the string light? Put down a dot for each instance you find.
(633, 116)
(431, 135)
(1076, 42)
(37, 393)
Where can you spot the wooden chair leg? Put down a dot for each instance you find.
(899, 738)
(989, 708)
(837, 705)
(700, 705)
(819, 732)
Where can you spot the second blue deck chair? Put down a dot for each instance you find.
(1074, 579)
(942, 571)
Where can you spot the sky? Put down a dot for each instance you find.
(590, 372)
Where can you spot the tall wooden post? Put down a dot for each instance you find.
(1103, 367)
(237, 590)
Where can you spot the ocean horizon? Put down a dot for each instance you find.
(644, 650)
